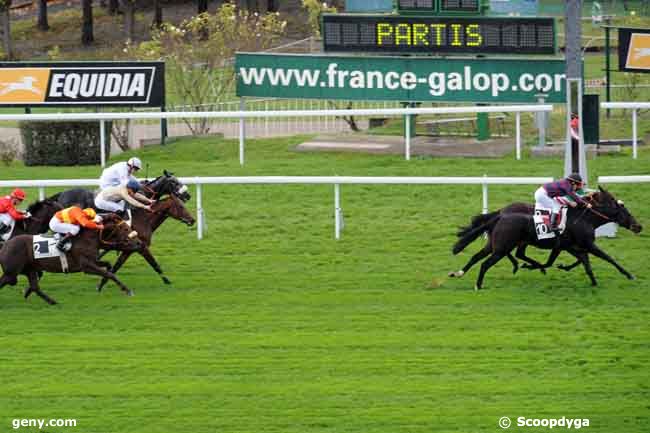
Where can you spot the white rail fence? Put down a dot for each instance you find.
(624, 179)
(635, 107)
(243, 115)
(335, 181)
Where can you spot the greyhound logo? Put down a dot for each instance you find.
(641, 52)
(27, 84)
(638, 55)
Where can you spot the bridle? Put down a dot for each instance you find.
(105, 241)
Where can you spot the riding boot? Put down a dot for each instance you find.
(4, 228)
(555, 227)
(62, 243)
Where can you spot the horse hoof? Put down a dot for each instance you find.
(130, 293)
(542, 270)
(457, 274)
(631, 277)
(166, 280)
(476, 288)
(514, 270)
(99, 287)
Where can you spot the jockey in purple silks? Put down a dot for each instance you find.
(547, 195)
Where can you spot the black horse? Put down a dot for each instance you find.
(510, 230)
(167, 184)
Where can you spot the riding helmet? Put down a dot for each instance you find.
(18, 194)
(575, 178)
(135, 163)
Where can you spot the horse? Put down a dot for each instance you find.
(509, 230)
(41, 211)
(17, 256)
(167, 184)
(146, 223)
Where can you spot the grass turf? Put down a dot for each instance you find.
(272, 325)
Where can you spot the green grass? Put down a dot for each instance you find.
(272, 325)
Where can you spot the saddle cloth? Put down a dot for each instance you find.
(45, 248)
(5, 236)
(542, 219)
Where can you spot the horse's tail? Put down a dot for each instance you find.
(477, 221)
(471, 234)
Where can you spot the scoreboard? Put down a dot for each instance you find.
(446, 6)
(438, 34)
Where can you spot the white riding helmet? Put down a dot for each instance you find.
(135, 162)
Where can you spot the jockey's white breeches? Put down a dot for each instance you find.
(64, 228)
(6, 219)
(542, 199)
(110, 206)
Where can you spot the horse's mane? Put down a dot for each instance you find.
(37, 206)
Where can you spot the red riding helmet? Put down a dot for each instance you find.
(18, 194)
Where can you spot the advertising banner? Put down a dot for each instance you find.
(30, 84)
(487, 80)
(633, 50)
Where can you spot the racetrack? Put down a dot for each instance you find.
(272, 325)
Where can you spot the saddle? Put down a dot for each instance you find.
(542, 221)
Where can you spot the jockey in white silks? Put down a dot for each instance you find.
(119, 173)
(114, 198)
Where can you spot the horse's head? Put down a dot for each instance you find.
(174, 207)
(615, 210)
(117, 234)
(41, 211)
(168, 184)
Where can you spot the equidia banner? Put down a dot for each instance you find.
(398, 78)
(82, 84)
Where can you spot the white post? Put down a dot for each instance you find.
(485, 195)
(41, 193)
(199, 212)
(242, 107)
(407, 147)
(634, 154)
(518, 128)
(266, 119)
(102, 143)
(337, 211)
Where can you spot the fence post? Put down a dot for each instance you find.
(337, 211)
(485, 194)
(102, 143)
(199, 212)
(41, 193)
(634, 143)
(407, 131)
(518, 128)
(242, 107)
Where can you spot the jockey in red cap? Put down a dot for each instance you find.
(8, 212)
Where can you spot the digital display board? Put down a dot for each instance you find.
(422, 35)
(446, 6)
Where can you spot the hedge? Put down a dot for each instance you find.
(63, 143)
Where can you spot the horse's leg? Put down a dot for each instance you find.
(93, 269)
(487, 249)
(7, 279)
(103, 254)
(593, 249)
(569, 267)
(515, 263)
(583, 258)
(34, 287)
(487, 264)
(531, 263)
(124, 255)
(146, 253)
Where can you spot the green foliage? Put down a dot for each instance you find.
(315, 9)
(62, 143)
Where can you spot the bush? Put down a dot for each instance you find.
(8, 151)
(63, 143)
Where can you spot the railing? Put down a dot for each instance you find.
(242, 115)
(336, 181)
(624, 179)
(634, 106)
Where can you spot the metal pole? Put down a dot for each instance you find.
(41, 193)
(407, 131)
(607, 66)
(485, 195)
(337, 211)
(518, 128)
(634, 154)
(199, 212)
(242, 131)
(102, 143)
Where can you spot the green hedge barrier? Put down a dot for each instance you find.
(63, 143)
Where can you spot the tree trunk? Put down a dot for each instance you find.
(6, 33)
(42, 24)
(113, 7)
(202, 6)
(87, 22)
(252, 5)
(129, 18)
(157, 14)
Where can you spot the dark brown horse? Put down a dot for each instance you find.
(17, 256)
(509, 230)
(146, 223)
(41, 211)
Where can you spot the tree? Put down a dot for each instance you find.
(41, 23)
(129, 18)
(87, 37)
(113, 7)
(157, 14)
(202, 6)
(199, 54)
(6, 29)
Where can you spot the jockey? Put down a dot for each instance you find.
(8, 212)
(69, 221)
(113, 198)
(120, 173)
(547, 194)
